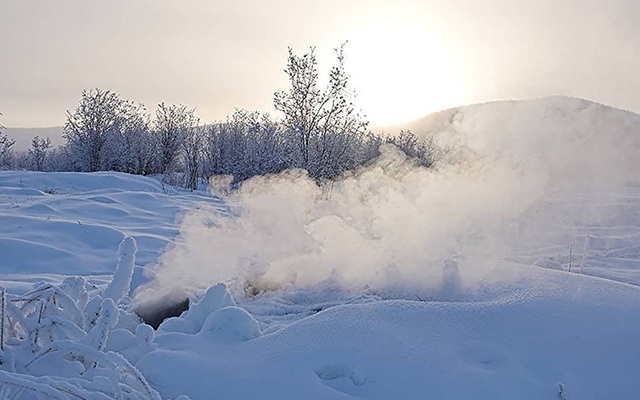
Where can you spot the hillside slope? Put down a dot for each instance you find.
(576, 164)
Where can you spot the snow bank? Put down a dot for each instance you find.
(77, 182)
(552, 327)
(60, 224)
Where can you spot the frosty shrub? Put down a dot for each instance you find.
(321, 131)
(6, 150)
(38, 152)
(245, 145)
(95, 130)
(323, 122)
(171, 125)
(59, 341)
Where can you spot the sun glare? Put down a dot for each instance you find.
(402, 73)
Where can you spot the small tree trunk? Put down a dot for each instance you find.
(3, 302)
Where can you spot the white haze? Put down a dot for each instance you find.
(397, 227)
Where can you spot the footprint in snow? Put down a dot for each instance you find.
(341, 378)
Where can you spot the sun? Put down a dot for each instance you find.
(402, 72)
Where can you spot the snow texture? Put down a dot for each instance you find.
(508, 271)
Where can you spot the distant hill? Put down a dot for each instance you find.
(549, 114)
(23, 136)
(566, 139)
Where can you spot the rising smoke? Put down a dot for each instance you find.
(394, 225)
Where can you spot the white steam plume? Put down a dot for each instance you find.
(394, 224)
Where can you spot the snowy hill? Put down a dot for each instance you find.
(555, 113)
(479, 279)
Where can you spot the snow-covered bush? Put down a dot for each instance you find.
(76, 340)
(59, 341)
(38, 152)
(6, 150)
(170, 127)
(421, 150)
(192, 155)
(245, 145)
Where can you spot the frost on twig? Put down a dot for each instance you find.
(119, 286)
(67, 329)
(107, 319)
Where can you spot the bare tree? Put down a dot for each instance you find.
(132, 148)
(422, 150)
(100, 115)
(171, 125)
(327, 126)
(38, 152)
(247, 144)
(192, 155)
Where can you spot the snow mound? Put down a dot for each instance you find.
(552, 327)
(215, 316)
(230, 324)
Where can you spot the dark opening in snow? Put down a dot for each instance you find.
(154, 314)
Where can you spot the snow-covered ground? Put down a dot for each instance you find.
(512, 270)
(63, 224)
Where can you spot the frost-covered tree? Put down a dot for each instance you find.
(247, 144)
(325, 122)
(192, 155)
(144, 147)
(171, 125)
(59, 159)
(38, 152)
(421, 150)
(267, 149)
(225, 146)
(132, 148)
(6, 151)
(99, 117)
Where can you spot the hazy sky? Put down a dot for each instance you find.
(406, 57)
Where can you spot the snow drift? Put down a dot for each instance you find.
(398, 228)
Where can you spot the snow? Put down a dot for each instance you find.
(552, 327)
(61, 224)
(509, 271)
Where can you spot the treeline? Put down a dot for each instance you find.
(321, 132)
